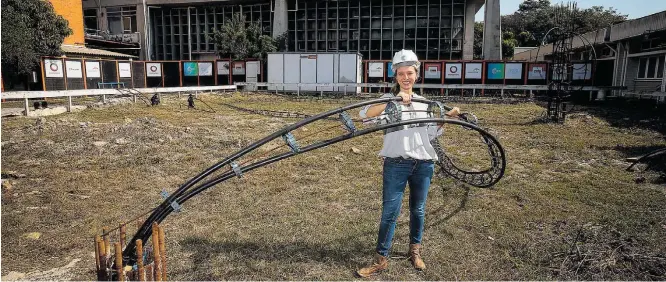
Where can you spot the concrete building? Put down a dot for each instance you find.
(74, 45)
(631, 54)
(181, 30)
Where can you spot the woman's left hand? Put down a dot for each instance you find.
(453, 112)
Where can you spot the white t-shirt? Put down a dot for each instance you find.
(412, 141)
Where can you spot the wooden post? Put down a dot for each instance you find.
(156, 253)
(69, 104)
(97, 251)
(26, 107)
(139, 260)
(149, 272)
(123, 234)
(163, 253)
(101, 273)
(119, 261)
(107, 242)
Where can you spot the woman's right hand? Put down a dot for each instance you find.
(406, 98)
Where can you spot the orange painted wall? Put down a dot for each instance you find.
(72, 11)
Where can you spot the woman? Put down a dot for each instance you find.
(408, 158)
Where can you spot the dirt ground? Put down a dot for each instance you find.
(565, 210)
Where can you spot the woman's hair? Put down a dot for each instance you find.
(395, 89)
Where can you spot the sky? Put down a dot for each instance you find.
(633, 8)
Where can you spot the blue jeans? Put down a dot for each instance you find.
(397, 173)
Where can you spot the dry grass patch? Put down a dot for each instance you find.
(566, 208)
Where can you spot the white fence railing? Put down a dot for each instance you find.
(26, 95)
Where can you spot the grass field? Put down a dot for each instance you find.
(565, 209)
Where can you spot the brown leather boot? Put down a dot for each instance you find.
(379, 263)
(415, 256)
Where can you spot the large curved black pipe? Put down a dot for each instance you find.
(160, 215)
(146, 226)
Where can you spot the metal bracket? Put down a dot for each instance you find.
(176, 207)
(442, 110)
(469, 117)
(236, 169)
(291, 142)
(347, 122)
(393, 112)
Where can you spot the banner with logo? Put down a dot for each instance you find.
(432, 71)
(513, 70)
(190, 69)
(125, 69)
(239, 68)
(153, 69)
(376, 69)
(74, 69)
(581, 71)
(53, 68)
(223, 68)
(205, 69)
(537, 71)
(92, 70)
(496, 71)
(473, 70)
(453, 71)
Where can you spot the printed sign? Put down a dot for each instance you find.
(376, 69)
(223, 68)
(205, 69)
(496, 71)
(581, 71)
(74, 69)
(559, 72)
(537, 71)
(389, 70)
(190, 69)
(473, 70)
(513, 71)
(53, 68)
(239, 68)
(125, 69)
(454, 71)
(92, 70)
(432, 71)
(153, 69)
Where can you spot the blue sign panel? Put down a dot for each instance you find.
(190, 69)
(496, 71)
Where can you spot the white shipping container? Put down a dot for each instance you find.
(314, 68)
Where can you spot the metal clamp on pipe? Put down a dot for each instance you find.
(165, 195)
(436, 104)
(291, 142)
(393, 112)
(236, 169)
(347, 122)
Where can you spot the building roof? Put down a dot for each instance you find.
(81, 50)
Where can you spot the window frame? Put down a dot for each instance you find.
(642, 73)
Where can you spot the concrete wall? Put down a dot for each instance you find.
(471, 8)
(71, 10)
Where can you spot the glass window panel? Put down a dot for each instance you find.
(115, 25)
(652, 64)
(642, 65)
(660, 70)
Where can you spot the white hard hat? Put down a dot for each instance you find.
(405, 58)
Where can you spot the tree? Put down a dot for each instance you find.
(241, 39)
(528, 26)
(31, 29)
(534, 18)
